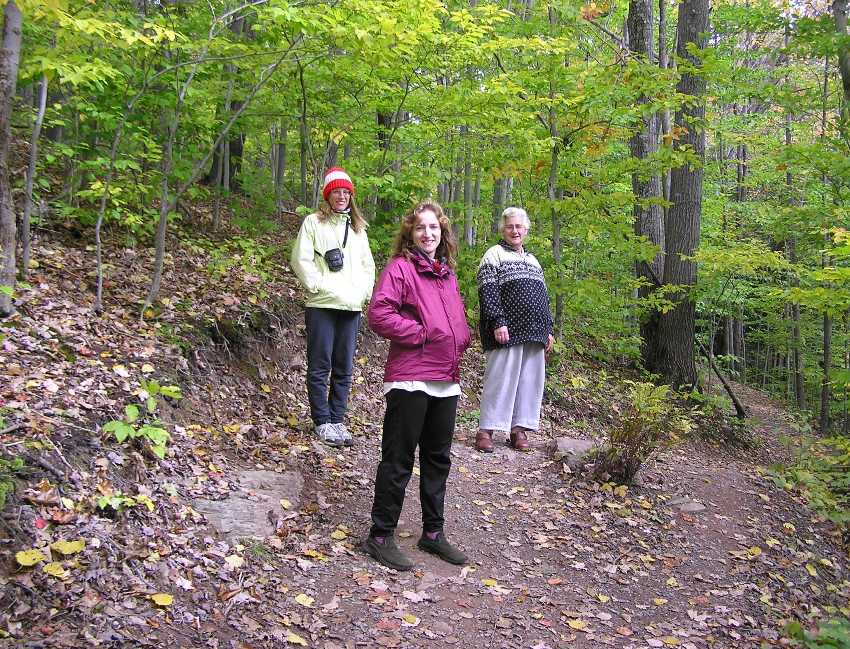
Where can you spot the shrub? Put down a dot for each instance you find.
(650, 421)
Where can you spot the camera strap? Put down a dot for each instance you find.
(344, 239)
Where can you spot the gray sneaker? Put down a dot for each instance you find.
(329, 434)
(442, 548)
(344, 434)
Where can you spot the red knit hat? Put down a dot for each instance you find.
(335, 178)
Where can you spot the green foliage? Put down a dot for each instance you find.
(8, 469)
(831, 634)
(820, 474)
(651, 420)
(143, 426)
(119, 502)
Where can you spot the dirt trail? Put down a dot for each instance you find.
(559, 563)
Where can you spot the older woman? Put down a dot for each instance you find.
(417, 306)
(332, 259)
(516, 333)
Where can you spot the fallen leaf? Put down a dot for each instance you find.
(68, 547)
(304, 600)
(121, 371)
(338, 535)
(29, 557)
(234, 561)
(294, 638)
(55, 569)
(578, 625)
(162, 599)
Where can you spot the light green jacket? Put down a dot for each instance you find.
(347, 289)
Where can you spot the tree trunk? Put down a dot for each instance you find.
(468, 211)
(839, 13)
(9, 59)
(673, 341)
(826, 383)
(664, 115)
(280, 165)
(498, 204)
(36, 132)
(648, 221)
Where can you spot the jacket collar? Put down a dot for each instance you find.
(510, 248)
(425, 265)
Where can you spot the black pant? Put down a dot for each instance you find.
(331, 340)
(413, 419)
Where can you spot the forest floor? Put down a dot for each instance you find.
(247, 533)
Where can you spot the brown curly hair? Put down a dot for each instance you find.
(446, 251)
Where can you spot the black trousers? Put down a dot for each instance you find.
(331, 340)
(413, 419)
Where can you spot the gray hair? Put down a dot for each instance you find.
(515, 213)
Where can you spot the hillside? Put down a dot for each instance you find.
(246, 533)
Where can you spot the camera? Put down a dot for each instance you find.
(334, 259)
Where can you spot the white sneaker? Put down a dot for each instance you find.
(344, 434)
(329, 434)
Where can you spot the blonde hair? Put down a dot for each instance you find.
(403, 246)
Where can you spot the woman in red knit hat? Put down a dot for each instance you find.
(332, 259)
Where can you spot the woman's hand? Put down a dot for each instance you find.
(501, 335)
(550, 343)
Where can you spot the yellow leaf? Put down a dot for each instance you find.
(265, 387)
(462, 469)
(68, 547)
(673, 582)
(754, 551)
(55, 569)
(304, 600)
(292, 420)
(234, 561)
(826, 562)
(29, 557)
(121, 371)
(811, 570)
(286, 504)
(659, 601)
(409, 619)
(621, 491)
(671, 641)
(772, 543)
(147, 368)
(162, 599)
(338, 535)
(294, 638)
(603, 598)
(578, 625)
(416, 470)
(489, 582)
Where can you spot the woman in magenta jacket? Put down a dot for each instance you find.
(417, 306)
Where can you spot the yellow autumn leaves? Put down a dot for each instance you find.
(33, 557)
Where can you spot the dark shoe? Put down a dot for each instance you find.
(519, 440)
(484, 441)
(387, 553)
(443, 549)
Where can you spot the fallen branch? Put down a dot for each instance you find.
(739, 408)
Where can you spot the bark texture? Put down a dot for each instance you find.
(9, 59)
(673, 340)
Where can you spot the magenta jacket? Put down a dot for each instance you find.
(417, 306)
